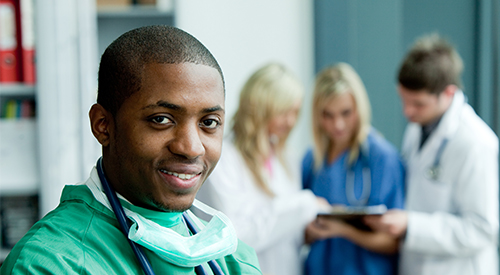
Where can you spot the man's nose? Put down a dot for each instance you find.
(187, 141)
(408, 110)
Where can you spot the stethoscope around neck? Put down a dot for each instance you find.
(124, 227)
(433, 171)
(364, 151)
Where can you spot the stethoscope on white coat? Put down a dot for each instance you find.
(433, 171)
(122, 220)
(366, 178)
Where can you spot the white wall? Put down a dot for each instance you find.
(244, 35)
(66, 88)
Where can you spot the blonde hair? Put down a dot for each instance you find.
(270, 91)
(331, 82)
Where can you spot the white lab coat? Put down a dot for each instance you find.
(273, 226)
(452, 221)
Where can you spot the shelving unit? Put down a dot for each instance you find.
(19, 169)
(133, 11)
(114, 21)
(35, 164)
(16, 90)
(18, 161)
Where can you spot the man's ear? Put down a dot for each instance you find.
(450, 90)
(100, 123)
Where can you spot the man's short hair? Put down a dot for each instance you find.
(122, 64)
(431, 64)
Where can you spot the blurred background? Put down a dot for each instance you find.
(50, 51)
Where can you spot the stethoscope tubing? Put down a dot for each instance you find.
(365, 178)
(434, 169)
(440, 152)
(367, 186)
(122, 220)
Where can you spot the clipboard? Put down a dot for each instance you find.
(353, 215)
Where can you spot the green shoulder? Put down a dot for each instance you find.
(56, 243)
(244, 261)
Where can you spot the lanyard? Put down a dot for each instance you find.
(124, 226)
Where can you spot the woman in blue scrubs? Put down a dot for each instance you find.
(350, 164)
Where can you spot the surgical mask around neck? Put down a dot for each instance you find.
(213, 241)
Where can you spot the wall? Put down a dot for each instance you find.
(373, 36)
(365, 34)
(67, 80)
(458, 25)
(244, 35)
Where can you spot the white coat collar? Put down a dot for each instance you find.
(94, 177)
(451, 118)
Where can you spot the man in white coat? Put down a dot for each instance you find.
(450, 225)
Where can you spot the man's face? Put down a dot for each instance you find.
(421, 106)
(167, 137)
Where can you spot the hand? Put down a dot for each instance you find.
(325, 228)
(323, 204)
(394, 222)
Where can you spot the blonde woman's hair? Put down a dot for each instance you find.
(270, 91)
(331, 82)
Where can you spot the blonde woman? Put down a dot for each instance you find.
(350, 164)
(253, 183)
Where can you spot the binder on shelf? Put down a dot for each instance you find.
(11, 109)
(27, 42)
(17, 108)
(9, 47)
(27, 109)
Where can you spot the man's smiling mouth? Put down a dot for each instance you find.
(181, 176)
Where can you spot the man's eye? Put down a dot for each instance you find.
(160, 120)
(210, 123)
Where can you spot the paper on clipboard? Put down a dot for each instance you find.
(353, 214)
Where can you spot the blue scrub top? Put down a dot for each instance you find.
(337, 255)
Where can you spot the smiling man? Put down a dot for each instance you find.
(159, 117)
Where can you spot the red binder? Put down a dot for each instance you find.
(9, 46)
(27, 42)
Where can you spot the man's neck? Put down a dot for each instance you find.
(428, 129)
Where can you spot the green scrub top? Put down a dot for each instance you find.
(81, 236)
